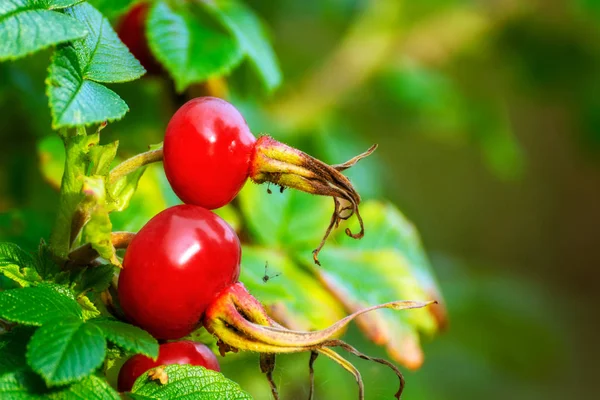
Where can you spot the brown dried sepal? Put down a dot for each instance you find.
(285, 166)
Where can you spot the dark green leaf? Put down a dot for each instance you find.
(27, 26)
(188, 382)
(36, 305)
(189, 46)
(76, 97)
(250, 33)
(96, 278)
(46, 266)
(128, 337)
(91, 388)
(66, 350)
(21, 384)
(12, 349)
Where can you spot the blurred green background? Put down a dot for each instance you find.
(487, 114)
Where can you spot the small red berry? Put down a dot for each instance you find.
(184, 352)
(207, 152)
(174, 267)
(132, 31)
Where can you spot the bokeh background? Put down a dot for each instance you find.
(487, 113)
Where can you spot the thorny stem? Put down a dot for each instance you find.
(135, 162)
(282, 165)
(85, 254)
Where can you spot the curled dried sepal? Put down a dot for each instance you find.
(282, 165)
(240, 322)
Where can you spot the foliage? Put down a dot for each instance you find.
(58, 308)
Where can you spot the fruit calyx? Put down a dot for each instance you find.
(240, 322)
(285, 166)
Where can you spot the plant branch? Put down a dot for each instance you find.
(135, 162)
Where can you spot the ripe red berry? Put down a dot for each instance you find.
(207, 152)
(174, 267)
(132, 31)
(184, 352)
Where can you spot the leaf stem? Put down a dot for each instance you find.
(135, 162)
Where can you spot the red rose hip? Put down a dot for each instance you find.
(174, 267)
(207, 152)
(184, 352)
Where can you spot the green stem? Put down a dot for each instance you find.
(76, 148)
(135, 162)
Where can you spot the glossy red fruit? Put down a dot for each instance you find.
(174, 267)
(184, 352)
(207, 152)
(132, 31)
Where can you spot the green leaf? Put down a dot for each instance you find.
(97, 232)
(188, 382)
(361, 279)
(66, 350)
(250, 33)
(128, 337)
(12, 349)
(18, 265)
(21, 384)
(24, 277)
(17, 381)
(46, 266)
(101, 158)
(291, 219)
(27, 26)
(121, 191)
(190, 47)
(90, 388)
(292, 293)
(36, 305)
(387, 264)
(76, 97)
(88, 308)
(11, 254)
(388, 229)
(97, 278)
